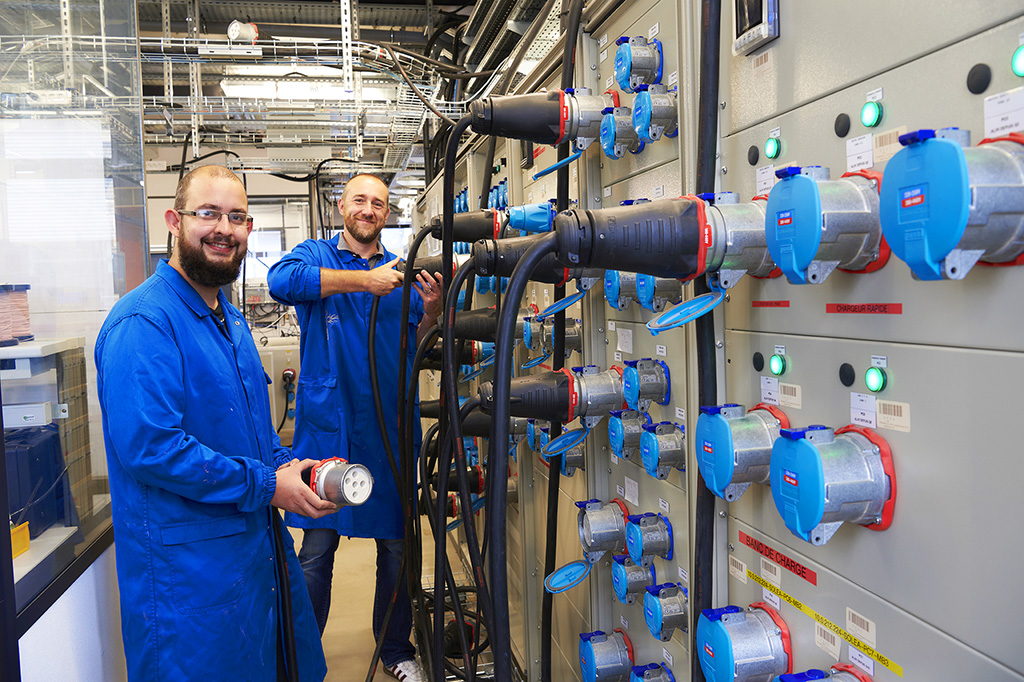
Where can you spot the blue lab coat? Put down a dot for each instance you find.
(334, 412)
(191, 453)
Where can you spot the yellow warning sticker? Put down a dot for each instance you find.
(826, 623)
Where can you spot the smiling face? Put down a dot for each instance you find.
(210, 254)
(364, 208)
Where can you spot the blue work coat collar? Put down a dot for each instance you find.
(187, 293)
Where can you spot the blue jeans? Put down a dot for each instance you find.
(316, 557)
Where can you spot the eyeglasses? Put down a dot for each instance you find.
(208, 215)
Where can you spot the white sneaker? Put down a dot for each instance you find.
(406, 671)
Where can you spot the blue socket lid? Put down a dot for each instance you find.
(645, 290)
(798, 482)
(650, 452)
(623, 64)
(619, 580)
(568, 576)
(642, 114)
(714, 647)
(503, 186)
(502, 283)
(653, 613)
(528, 332)
(565, 441)
(793, 225)
(715, 451)
(631, 385)
(608, 135)
(812, 674)
(531, 217)
(635, 542)
(616, 433)
(588, 662)
(531, 434)
(483, 285)
(636, 674)
(924, 203)
(611, 287)
(543, 438)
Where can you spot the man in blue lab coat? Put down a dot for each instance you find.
(332, 283)
(195, 465)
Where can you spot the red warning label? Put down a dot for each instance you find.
(864, 308)
(781, 559)
(769, 304)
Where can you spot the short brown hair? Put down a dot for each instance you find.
(210, 171)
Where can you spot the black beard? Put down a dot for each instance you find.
(204, 272)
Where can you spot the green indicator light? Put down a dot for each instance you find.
(875, 379)
(871, 114)
(772, 147)
(777, 364)
(1017, 63)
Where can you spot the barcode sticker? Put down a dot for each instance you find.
(653, 31)
(771, 599)
(604, 55)
(738, 569)
(893, 416)
(668, 657)
(663, 505)
(771, 572)
(861, 627)
(681, 415)
(790, 395)
(862, 660)
(620, 491)
(826, 640)
(762, 63)
(661, 350)
(625, 623)
(683, 575)
(769, 390)
(885, 145)
(632, 493)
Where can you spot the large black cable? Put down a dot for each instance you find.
(707, 378)
(285, 597)
(498, 460)
(572, 28)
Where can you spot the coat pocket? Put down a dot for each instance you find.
(207, 561)
(318, 404)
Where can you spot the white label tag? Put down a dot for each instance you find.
(663, 505)
(738, 569)
(894, 416)
(529, 198)
(771, 599)
(765, 176)
(780, 350)
(611, 325)
(681, 415)
(608, 82)
(775, 132)
(603, 40)
(769, 390)
(607, 191)
(880, 361)
(862, 660)
(625, 343)
(547, 298)
(653, 31)
(673, 78)
(668, 657)
(620, 491)
(604, 55)
(1004, 112)
(659, 191)
(862, 409)
(683, 575)
(771, 572)
(789, 395)
(860, 152)
(875, 95)
(615, 459)
(861, 627)
(661, 350)
(625, 623)
(827, 641)
(885, 145)
(618, 356)
(632, 491)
